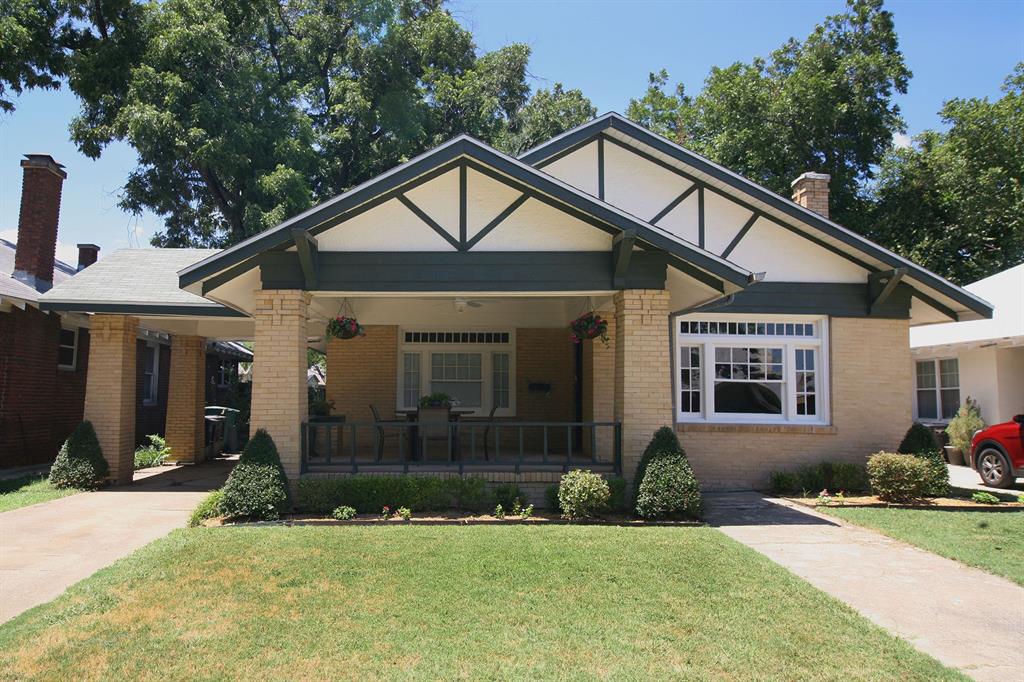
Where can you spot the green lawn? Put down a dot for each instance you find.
(21, 492)
(990, 540)
(443, 602)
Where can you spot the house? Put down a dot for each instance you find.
(44, 355)
(981, 359)
(768, 335)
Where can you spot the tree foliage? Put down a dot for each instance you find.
(246, 112)
(823, 104)
(954, 200)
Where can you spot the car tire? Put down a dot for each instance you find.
(994, 468)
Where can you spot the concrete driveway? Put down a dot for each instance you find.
(47, 547)
(964, 617)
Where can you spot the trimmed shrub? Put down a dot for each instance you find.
(664, 441)
(938, 475)
(80, 463)
(208, 508)
(369, 494)
(257, 487)
(152, 455)
(551, 498)
(582, 494)
(668, 489)
(849, 477)
(784, 482)
(507, 494)
(964, 425)
(812, 478)
(898, 478)
(919, 439)
(617, 502)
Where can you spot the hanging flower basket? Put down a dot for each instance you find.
(589, 326)
(344, 328)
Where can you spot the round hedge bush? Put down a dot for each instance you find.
(257, 488)
(582, 494)
(80, 462)
(668, 489)
(919, 439)
(898, 478)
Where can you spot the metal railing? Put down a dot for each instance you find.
(405, 445)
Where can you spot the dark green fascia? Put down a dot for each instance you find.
(142, 309)
(512, 271)
(616, 122)
(816, 298)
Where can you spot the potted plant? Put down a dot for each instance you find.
(344, 328)
(961, 430)
(320, 411)
(438, 400)
(587, 326)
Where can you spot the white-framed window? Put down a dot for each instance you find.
(150, 373)
(937, 384)
(746, 369)
(67, 349)
(473, 366)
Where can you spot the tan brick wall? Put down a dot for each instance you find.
(279, 399)
(110, 391)
(185, 398)
(643, 390)
(363, 372)
(870, 404)
(544, 355)
(598, 391)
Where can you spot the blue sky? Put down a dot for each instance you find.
(955, 49)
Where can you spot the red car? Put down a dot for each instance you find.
(999, 452)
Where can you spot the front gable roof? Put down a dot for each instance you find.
(699, 263)
(930, 288)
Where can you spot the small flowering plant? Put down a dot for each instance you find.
(825, 499)
(344, 328)
(385, 513)
(589, 326)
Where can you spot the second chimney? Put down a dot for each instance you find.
(41, 185)
(87, 255)
(810, 190)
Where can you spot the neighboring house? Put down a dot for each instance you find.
(768, 335)
(981, 359)
(44, 356)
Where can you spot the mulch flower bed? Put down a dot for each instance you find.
(454, 519)
(945, 503)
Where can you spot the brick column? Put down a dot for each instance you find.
(186, 397)
(643, 382)
(110, 390)
(599, 389)
(279, 394)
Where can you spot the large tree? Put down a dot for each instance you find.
(245, 112)
(822, 104)
(954, 201)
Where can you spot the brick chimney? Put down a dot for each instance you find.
(810, 190)
(37, 224)
(87, 255)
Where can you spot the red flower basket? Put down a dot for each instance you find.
(344, 328)
(589, 326)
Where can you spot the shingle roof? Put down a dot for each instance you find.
(134, 280)
(16, 289)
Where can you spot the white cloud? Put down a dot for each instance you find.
(65, 252)
(901, 141)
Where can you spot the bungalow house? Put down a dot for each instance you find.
(981, 359)
(44, 355)
(768, 335)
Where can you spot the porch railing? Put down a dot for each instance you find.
(461, 445)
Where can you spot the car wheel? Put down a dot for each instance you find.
(994, 468)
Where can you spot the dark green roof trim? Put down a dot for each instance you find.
(484, 159)
(142, 309)
(617, 122)
(815, 298)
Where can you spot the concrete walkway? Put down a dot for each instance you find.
(967, 478)
(965, 618)
(46, 548)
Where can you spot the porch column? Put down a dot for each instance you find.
(279, 395)
(110, 390)
(643, 385)
(186, 397)
(599, 389)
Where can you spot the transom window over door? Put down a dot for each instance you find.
(938, 389)
(736, 369)
(474, 367)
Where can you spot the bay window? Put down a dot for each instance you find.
(736, 369)
(475, 368)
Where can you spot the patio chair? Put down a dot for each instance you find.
(434, 425)
(380, 433)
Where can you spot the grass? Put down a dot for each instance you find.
(443, 602)
(989, 540)
(21, 492)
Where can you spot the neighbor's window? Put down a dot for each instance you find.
(938, 389)
(150, 373)
(67, 351)
(734, 369)
(474, 367)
